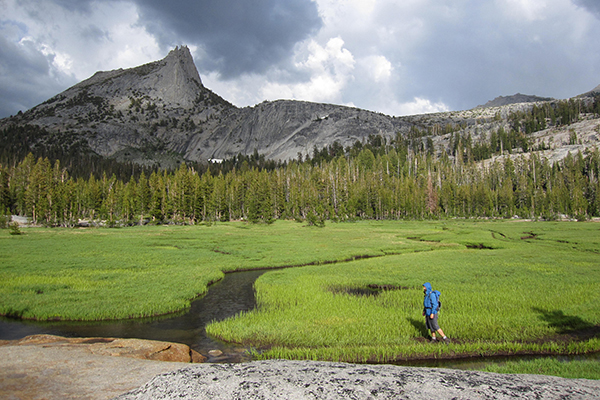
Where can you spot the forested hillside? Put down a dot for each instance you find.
(374, 180)
(469, 173)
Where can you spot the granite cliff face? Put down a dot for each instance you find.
(161, 113)
(144, 114)
(282, 129)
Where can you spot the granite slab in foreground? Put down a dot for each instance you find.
(280, 379)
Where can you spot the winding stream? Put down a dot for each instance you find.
(233, 294)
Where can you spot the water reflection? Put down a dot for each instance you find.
(233, 294)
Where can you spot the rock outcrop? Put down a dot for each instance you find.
(51, 367)
(132, 348)
(173, 80)
(278, 379)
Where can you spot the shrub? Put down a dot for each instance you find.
(14, 228)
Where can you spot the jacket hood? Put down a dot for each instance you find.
(427, 286)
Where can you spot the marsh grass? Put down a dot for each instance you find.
(529, 288)
(508, 287)
(98, 274)
(586, 369)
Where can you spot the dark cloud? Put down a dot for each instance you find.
(478, 56)
(592, 6)
(236, 36)
(81, 6)
(31, 79)
(38, 11)
(92, 32)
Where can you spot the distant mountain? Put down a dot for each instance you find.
(143, 114)
(514, 99)
(161, 114)
(594, 92)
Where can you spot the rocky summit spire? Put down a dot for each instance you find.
(183, 56)
(176, 81)
(123, 109)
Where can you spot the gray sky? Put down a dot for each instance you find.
(397, 57)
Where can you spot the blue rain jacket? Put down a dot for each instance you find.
(430, 300)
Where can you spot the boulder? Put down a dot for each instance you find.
(215, 353)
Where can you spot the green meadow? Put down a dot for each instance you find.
(97, 274)
(507, 288)
(354, 294)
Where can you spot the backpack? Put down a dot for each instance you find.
(437, 295)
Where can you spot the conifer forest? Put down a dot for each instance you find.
(394, 179)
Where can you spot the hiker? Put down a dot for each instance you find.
(430, 311)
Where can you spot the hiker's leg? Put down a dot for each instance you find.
(428, 326)
(435, 327)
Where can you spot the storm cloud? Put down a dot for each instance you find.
(592, 6)
(26, 74)
(235, 36)
(383, 55)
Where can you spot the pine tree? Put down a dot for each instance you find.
(5, 201)
(144, 197)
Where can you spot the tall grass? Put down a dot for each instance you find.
(97, 274)
(507, 287)
(586, 369)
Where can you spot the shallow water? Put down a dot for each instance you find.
(233, 294)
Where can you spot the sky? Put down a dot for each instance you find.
(398, 57)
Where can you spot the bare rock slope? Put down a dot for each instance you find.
(52, 367)
(279, 379)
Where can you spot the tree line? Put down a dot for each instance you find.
(393, 185)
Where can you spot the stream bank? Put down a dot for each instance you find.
(224, 299)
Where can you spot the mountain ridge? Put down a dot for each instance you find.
(594, 92)
(161, 112)
(514, 99)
